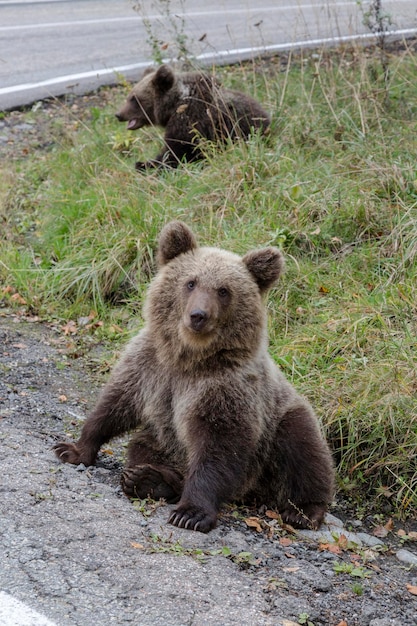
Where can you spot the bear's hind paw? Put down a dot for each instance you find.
(156, 482)
(308, 516)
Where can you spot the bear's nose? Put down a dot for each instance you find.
(119, 117)
(198, 319)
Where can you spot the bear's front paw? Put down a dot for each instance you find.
(69, 453)
(142, 166)
(193, 518)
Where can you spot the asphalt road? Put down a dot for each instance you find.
(53, 47)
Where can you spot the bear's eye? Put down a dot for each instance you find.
(223, 292)
(190, 285)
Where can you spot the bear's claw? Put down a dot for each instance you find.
(70, 453)
(192, 518)
(67, 453)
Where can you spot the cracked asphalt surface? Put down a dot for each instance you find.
(75, 549)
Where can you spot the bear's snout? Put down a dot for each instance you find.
(198, 319)
(133, 118)
(201, 310)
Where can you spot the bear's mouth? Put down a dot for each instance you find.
(133, 124)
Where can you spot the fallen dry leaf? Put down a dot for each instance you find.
(412, 589)
(138, 546)
(342, 623)
(387, 493)
(389, 526)
(330, 547)
(355, 558)
(70, 328)
(62, 398)
(289, 529)
(380, 531)
(342, 542)
(94, 325)
(16, 297)
(272, 514)
(285, 541)
(254, 522)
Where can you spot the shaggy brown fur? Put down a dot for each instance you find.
(216, 418)
(190, 106)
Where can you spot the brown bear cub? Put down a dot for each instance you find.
(190, 106)
(215, 418)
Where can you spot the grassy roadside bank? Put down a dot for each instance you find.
(335, 186)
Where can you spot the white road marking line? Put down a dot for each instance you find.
(223, 55)
(191, 14)
(16, 613)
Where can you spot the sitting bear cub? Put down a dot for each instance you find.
(215, 418)
(190, 106)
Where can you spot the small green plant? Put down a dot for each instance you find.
(146, 506)
(223, 551)
(40, 497)
(379, 22)
(357, 589)
(356, 571)
(176, 45)
(244, 559)
(304, 619)
(165, 545)
(123, 143)
(162, 545)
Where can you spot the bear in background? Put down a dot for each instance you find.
(214, 418)
(190, 106)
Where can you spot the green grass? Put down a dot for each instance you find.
(335, 186)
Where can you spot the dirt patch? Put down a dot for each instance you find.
(42, 125)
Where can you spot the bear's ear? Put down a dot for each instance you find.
(149, 70)
(164, 78)
(265, 265)
(175, 238)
